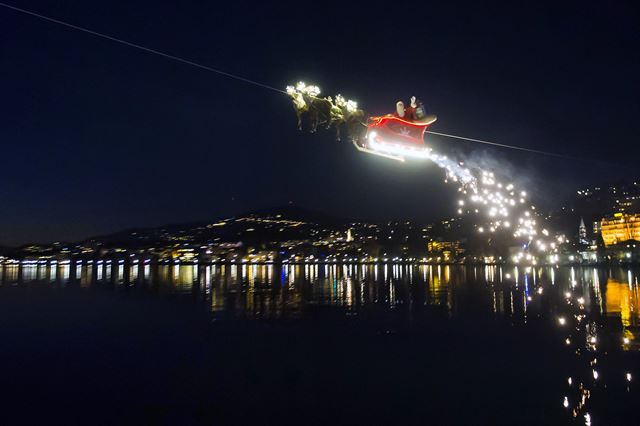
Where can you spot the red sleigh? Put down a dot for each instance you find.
(395, 138)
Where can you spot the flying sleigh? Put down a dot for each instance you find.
(392, 137)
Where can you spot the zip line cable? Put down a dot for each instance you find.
(519, 148)
(266, 86)
(497, 144)
(534, 151)
(146, 49)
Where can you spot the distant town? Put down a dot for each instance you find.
(601, 225)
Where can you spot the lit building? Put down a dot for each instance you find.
(446, 248)
(619, 228)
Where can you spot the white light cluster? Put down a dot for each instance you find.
(308, 89)
(302, 87)
(350, 105)
(398, 149)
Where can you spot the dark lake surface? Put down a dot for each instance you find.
(114, 343)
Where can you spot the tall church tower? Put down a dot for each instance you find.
(349, 235)
(582, 232)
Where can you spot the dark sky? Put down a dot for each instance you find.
(97, 136)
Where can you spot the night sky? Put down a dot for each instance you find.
(97, 136)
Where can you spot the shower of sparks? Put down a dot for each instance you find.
(498, 206)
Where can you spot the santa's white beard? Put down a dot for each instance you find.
(400, 110)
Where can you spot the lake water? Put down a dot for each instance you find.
(115, 342)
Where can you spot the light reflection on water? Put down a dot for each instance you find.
(593, 312)
(612, 292)
(504, 291)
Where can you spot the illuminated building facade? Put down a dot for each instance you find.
(619, 228)
(447, 249)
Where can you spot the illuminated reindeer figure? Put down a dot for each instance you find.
(306, 103)
(299, 104)
(324, 111)
(353, 118)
